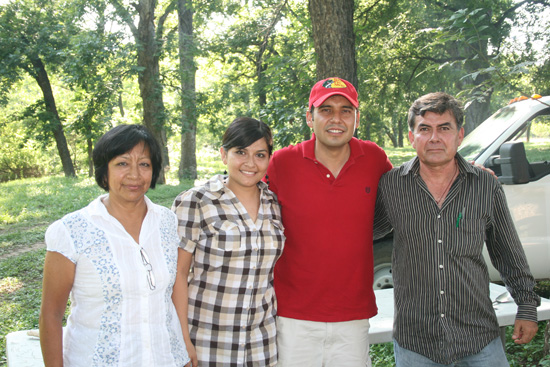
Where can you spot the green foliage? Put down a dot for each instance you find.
(19, 158)
(256, 58)
(267, 66)
(543, 288)
(29, 31)
(382, 355)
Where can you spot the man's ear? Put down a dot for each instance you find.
(460, 135)
(309, 119)
(411, 138)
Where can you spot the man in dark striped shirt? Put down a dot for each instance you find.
(442, 210)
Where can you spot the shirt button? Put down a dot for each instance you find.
(438, 216)
(328, 176)
(442, 315)
(440, 266)
(255, 249)
(439, 241)
(442, 292)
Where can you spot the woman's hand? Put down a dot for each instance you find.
(192, 354)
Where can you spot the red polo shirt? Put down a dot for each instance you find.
(326, 271)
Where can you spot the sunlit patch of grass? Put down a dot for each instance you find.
(398, 156)
(44, 199)
(10, 285)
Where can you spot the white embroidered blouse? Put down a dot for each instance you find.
(116, 318)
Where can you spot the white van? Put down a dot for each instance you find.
(515, 143)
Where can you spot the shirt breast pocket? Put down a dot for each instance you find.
(470, 237)
(224, 235)
(276, 234)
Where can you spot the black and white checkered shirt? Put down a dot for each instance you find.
(232, 303)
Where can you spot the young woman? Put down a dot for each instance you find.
(231, 236)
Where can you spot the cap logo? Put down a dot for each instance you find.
(334, 83)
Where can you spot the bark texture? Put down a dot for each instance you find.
(188, 161)
(150, 88)
(41, 76)
(334, 39)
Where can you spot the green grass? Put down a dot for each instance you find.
(398, 156)
(20, 294)
(537, 151)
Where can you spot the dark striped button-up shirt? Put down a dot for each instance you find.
(442, 305)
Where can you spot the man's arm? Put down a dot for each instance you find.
(382, 225)
(508, 257)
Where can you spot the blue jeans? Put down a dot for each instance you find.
(491, 356)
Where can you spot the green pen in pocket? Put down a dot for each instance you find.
(460, 216)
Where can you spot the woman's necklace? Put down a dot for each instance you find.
(448, 186)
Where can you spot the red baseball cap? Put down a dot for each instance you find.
(330, 87)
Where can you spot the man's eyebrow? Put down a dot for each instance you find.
(448, 123)
(329, 105)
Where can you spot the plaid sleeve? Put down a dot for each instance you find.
(187, 209)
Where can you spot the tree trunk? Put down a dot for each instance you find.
(334, 40)
(41, 76)
(150, 87)
(477, 112)
(188, 161)
(90, 157)
(120, 105)
(479, 108)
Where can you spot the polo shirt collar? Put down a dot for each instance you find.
(308, 150)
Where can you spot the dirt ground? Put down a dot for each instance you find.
(22, 250)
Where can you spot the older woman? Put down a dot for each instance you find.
(231, 236)
(116, 258)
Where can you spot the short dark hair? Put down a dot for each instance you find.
(244, 131)
(438, 102)
(119, 140)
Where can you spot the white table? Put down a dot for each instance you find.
(381, 325)
(24, 351)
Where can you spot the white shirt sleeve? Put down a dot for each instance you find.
(58, 240)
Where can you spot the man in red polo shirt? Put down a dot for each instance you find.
(327, 190)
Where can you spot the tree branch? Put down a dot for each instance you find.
(127, 18)
(506, 14)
